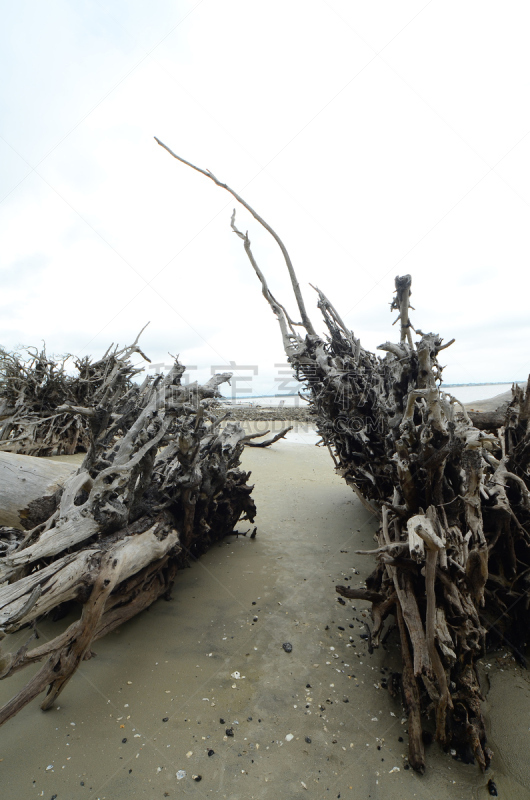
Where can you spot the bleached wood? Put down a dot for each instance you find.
(160, 481)
(24, 479)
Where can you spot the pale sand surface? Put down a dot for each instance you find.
(491, 404)
(179, 656)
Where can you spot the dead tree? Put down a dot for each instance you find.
(453, 501)
(40, 398)
(159, 484)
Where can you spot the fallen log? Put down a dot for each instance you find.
(452, 497)
(159, 484)
(26, 484)
(488, 420)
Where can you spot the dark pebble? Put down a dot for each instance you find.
(492, 789)
(253, 602)
(400, 738)
(53, 797)
(341, 601)
(124, 740)
(198, 778)
(345, 700)
(255, 619)
(308, 740)
(340, 627)
(165, 719)
(407, 766)
(287, 646)
(350, 625)
(211, 752)
(249, 719)
(229, 731)
(82, 783)
(221, 720)
(364, 636)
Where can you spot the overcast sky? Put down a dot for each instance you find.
(377, 139)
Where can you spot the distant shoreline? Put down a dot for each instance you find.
(444, 385)
(490, 383)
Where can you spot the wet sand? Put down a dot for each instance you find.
(150, 705)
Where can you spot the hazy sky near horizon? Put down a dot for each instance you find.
(376, 138)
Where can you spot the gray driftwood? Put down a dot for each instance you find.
(280, 435)
(160, 482)
(26, 484)
(45, 410)
(452, 494)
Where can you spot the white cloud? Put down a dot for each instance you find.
(367, 165)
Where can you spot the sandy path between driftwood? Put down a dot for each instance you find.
(175, 663)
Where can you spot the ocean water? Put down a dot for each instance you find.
(470, 394)
(466, 394)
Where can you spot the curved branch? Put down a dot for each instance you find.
(281, 314)
(294, 280)
(267, 442)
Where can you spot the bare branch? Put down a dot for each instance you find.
(270, 441)
(294, 280)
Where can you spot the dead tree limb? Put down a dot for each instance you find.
(294, 280)
(267, 442)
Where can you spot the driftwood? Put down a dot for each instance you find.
(453, 500)
(488, 420)
(280, 435)
(44, 410)
(26, 485)
(159, 483)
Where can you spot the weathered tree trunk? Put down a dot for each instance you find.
(25, 484)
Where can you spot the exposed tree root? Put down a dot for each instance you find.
(451, 491)
(159, 484)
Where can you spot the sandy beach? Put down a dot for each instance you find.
(198, 697)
